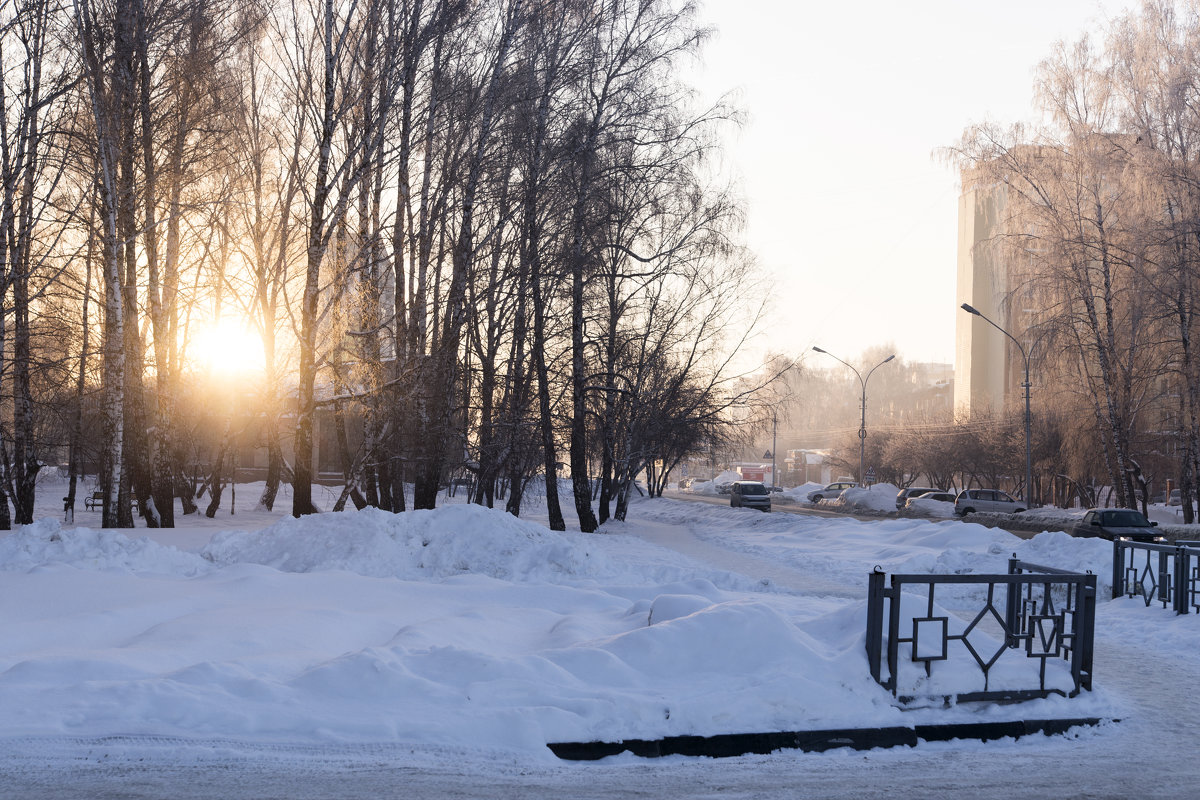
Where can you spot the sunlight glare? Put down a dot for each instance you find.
(230, 348)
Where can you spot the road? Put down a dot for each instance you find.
(805, 509)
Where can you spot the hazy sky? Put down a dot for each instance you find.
(849, 212)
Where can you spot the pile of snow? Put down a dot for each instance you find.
(46, 543)
(714, 486)
(880, 497)
(453, 540)
(941, 509)
(800, 493)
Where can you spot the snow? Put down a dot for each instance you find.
(942, 509)
(879, 497)
(712, 487)
(469, 635)
(800, 493)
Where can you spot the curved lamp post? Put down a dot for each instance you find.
(862, 430)
(1024, 356)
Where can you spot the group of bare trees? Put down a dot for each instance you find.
(1101, 230)
(986, 451)
(476, 235)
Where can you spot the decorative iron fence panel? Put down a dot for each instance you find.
(1048, 613)
(1164, 573)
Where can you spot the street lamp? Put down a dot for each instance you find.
(862, 430)
(1025, 356)
(774, 428)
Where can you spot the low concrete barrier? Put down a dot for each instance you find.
(738, 744)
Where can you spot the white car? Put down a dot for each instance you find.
(994, 500)
(913, 491)
(938, 497)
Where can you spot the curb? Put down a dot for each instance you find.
(738, 744)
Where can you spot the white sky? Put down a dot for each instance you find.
(849, 211)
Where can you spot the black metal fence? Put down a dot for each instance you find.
(1046, 614)
(1162, 573)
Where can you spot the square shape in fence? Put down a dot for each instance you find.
(1045, 636)
(929, 638)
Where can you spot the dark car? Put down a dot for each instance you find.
(749, 494)
(1117, 523)
(915, 491)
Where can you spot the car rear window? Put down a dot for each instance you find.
(1124, 519)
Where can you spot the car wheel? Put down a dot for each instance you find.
(1018, 511)
(816, 498)
(966, 511)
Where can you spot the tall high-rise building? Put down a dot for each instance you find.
(981, 357)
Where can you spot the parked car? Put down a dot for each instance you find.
(831, 490)
(1174, 499)
(914, 491)
(994, 500)
(1117, 523)
(941, 497)
(749, 494)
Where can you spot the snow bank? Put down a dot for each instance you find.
(713, 487)
(800, 493)
(46, 543)
(453, 540)
(941, 509)
(878, 498)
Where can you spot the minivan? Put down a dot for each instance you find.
(749, 494)
(973, 500)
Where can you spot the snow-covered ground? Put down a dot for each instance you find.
(435, 654)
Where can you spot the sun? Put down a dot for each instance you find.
(229, 347)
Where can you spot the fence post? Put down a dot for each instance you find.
(1182, 569)
(1164, 581)
(1012, 605)
(893, 648)
(1118, 575)
(874, 621)
(1084, 642)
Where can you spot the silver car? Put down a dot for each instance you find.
(831, 490)
(985, 500)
